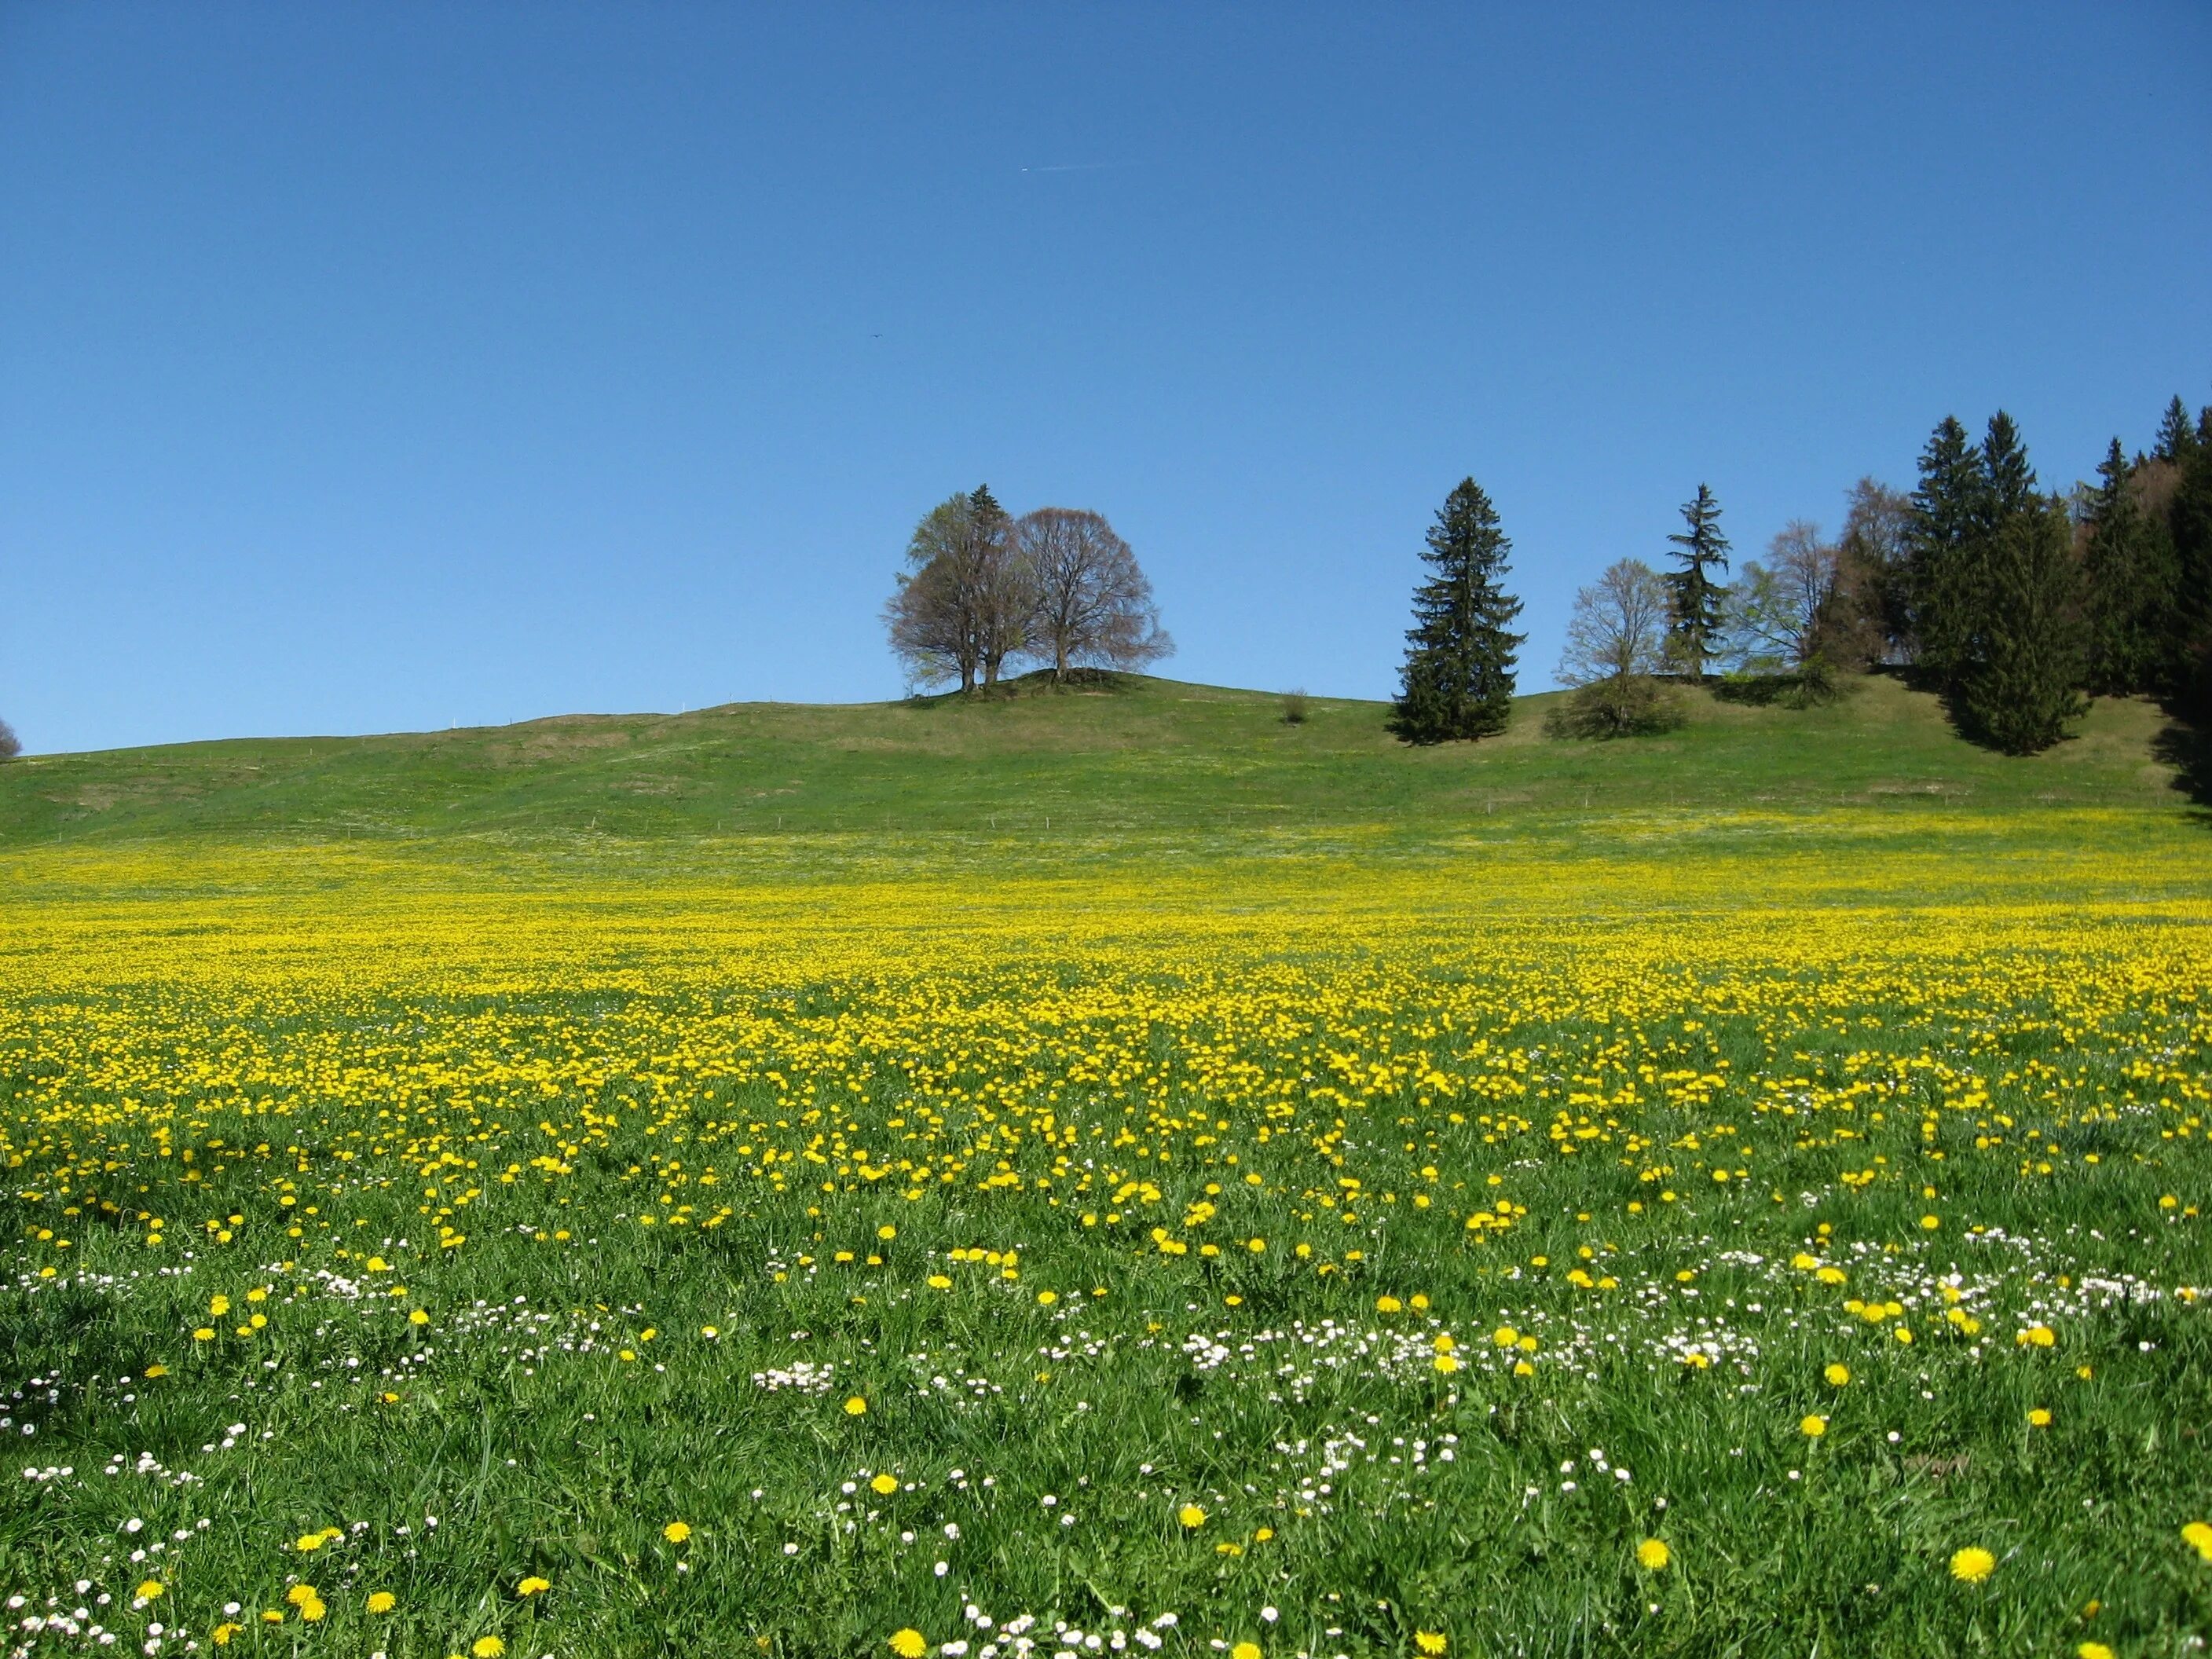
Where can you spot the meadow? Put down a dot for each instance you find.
(1744, 1225)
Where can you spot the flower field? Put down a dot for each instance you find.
(1691, 1245)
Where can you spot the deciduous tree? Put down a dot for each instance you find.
(1874, 611)
(1776, 614)
(964, 604)
(1093, 604)
(1616, 642)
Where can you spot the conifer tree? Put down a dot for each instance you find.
(1457, 681)
(2175, 440)
(2004, 465)
(2188, 672)
(2128, 566)
(2024, 688)
(1694, 597)
(1948, 512)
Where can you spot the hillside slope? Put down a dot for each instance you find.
(1134, 754)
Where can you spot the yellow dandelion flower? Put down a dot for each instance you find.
(884, 1485)
(218, 1305)
(856, 1406)
(909, 1643)
(1837, 1374)
(312, 1608)
(1972, 1564)
(221, 1633)
(382, 1601)
(1191, 1516)
(418, 1317)
(939, 1282)
(1505, 1336)
(1446, 1363)
(2038, 1418)
(2198, 1537)
(1245, 1651)
(2093, 1650)
(1813, 1426)
(300, 1595)
(203, 1335)
(1653, 1555)
(533, 1585)
(1387, 1305)
(486, 1647)
(675, 1531)
(149, 1590)
(1046, 1298)
(308, 1541)
(1431, 1641)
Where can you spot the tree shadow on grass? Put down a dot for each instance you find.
(2187, 747)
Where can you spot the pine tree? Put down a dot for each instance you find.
(1457, 681)
(1694, 596)
(2023, 689)
(1949, 510)
(2128, 566)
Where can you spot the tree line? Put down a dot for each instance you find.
(982, 588)
(2013, 601)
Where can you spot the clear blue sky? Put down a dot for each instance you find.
(367, 368)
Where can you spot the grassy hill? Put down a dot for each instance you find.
(1127, 755)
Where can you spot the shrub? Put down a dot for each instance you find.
(1619, 706)
(1296, 709)
(10, 744)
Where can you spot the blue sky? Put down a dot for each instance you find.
(374, 367)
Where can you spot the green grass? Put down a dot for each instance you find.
(521, 1013)
(1134, 756)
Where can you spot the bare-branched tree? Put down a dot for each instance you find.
(1617, 640)
(1093, 604)
(10, 746)
(963, 603)
(1777, 615)
(1873, 607)
(1619, 626)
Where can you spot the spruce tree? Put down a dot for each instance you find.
(1694, 598)
(1457, 681)
(2128, 566)
(2175, 440)
(1949, 510)
(2024, 687)
(2188, 669)
(2004, 465)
